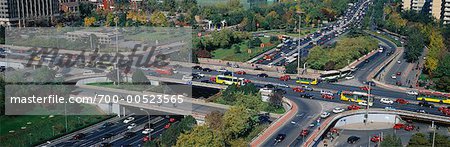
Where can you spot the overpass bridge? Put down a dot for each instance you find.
(317, 135)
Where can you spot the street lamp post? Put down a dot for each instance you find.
(368, 105)
(148, 116)
(117, 50)
(53, 130)
(298, 41)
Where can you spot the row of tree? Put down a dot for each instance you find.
(345, 51)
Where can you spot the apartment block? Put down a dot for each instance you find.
(18, 12)
(439, 9)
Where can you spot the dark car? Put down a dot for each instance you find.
(129, 134)
(398, 83)
(269, 86)
(262, 75)
(278, 90)
(107, 136)
(79, 136)
(306, 95)
(207, 69)
(259, 68)
(280, 138)
(352, 139)
(425, 104)
(197, 67)
(107, 124)
(228, 73)
(205, 81)
(371, 83)
(332, 80)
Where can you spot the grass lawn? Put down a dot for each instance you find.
(41, 127)
(228, 54)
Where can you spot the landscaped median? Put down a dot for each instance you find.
(269, 131)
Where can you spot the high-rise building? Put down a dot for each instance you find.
(18, 12)
(439, 9)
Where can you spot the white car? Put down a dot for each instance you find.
(365, 103)
(394, 77)
(131, 126)
(325, 114)
(338, 110)
(389, 108)
(147, 131)
(282, 85)
(58, 75)
(349, 77)
(386, 101)
(326, 92)
(129, 119)
(412, 92)
(88, 72)
(222, 70)
(399, 61)
(200, 74)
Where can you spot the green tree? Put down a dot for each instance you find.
(274, 40)
(251, 102)
(256, 41)
(236, 122)
(214, 120)
(276, 99)
(440, 140)
(139, 77)
(237, 49)
(200, 136)
(418, 140)
(170, 136)
(391, 141)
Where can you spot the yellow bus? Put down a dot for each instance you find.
(354, 96)
(310, 81)
(230, 80)
(436, 97)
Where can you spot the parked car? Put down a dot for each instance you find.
(338, 110)
(399, 126)
(386, 101)
(409, 127)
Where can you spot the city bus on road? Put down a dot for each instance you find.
(354, 96)
(334, 74)
(310, 81)
(437, 97)
(230, 80)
